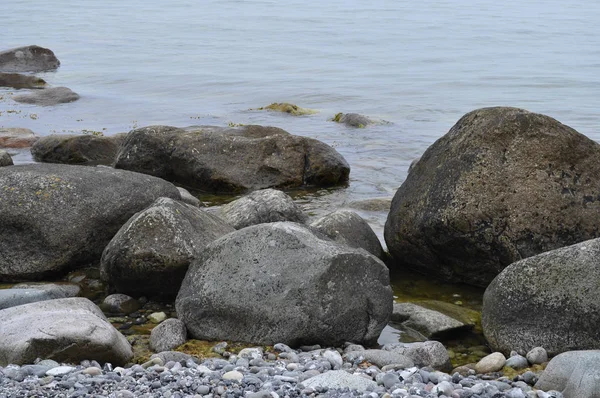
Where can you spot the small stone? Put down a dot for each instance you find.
(251, 353)
(517, 362)
(529, 377)
(120, 304)
(220, 348)
(491, 363)
(233, 375)
(334, 358)
(92, 371)
(157, 317)
(60, 371)
(203, 390)
(389, 380)
(153, 361)
(537, 356)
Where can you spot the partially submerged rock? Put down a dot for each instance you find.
(65, 330)
(17, 80)
(353, 119)
(17, 138)
(375, 204)
(550, 300)
(279, 283)
(431, 324)
(218, 159)
(48, 96)
(348, 228)
(152, 251)
(28, 59)
(288, 108)
(82, 149)
(57, 217)
(502, 185)
(263, 206)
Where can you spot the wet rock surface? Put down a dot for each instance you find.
(265, 157)
(88, 149)
(503, 184)
(28, 59)
(48, 96)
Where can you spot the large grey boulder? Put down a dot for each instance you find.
(263, 206)
(48, 96)
(503, 184)
(279, 283)
(15, 137)
(348, 228)
(17, 80)
(82, 149)
(574, 373)
(152, 251)
(58, 217)
(239, 159)
(65, 330)
(28, 59)
(550, 300)
(5, 159)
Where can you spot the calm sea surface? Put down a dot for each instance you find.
(420, 65)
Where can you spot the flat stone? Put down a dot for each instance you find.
(340, 379)
(60, 371)
(233, 375)
(13, 297)
(431, 324)
(48, 96)
(17, 137)
(381, 358)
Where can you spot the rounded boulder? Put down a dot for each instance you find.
(550, 300)
(503, 184)
(279, 283)
(59, 217)
(152, 251)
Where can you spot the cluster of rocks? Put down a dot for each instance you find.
(32, 59)
(497, 201)
(283, 371)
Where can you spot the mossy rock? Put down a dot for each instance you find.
(288, 108)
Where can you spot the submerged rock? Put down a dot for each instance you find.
(218, 159)
(263, 206)
(375, 204)
(65, 330)
(48, 96)
(431, 324)
(353, 120)
(152, 251)
(28, 59)
(86, 149)
(17, 138)
(279, 283)
(288, 108)
(503, 184)
(58, 217)
(550, 300)
(17, 80)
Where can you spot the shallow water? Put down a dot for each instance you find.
(421, 67)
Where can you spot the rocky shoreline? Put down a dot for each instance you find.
(253, 373)
(508, 201)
